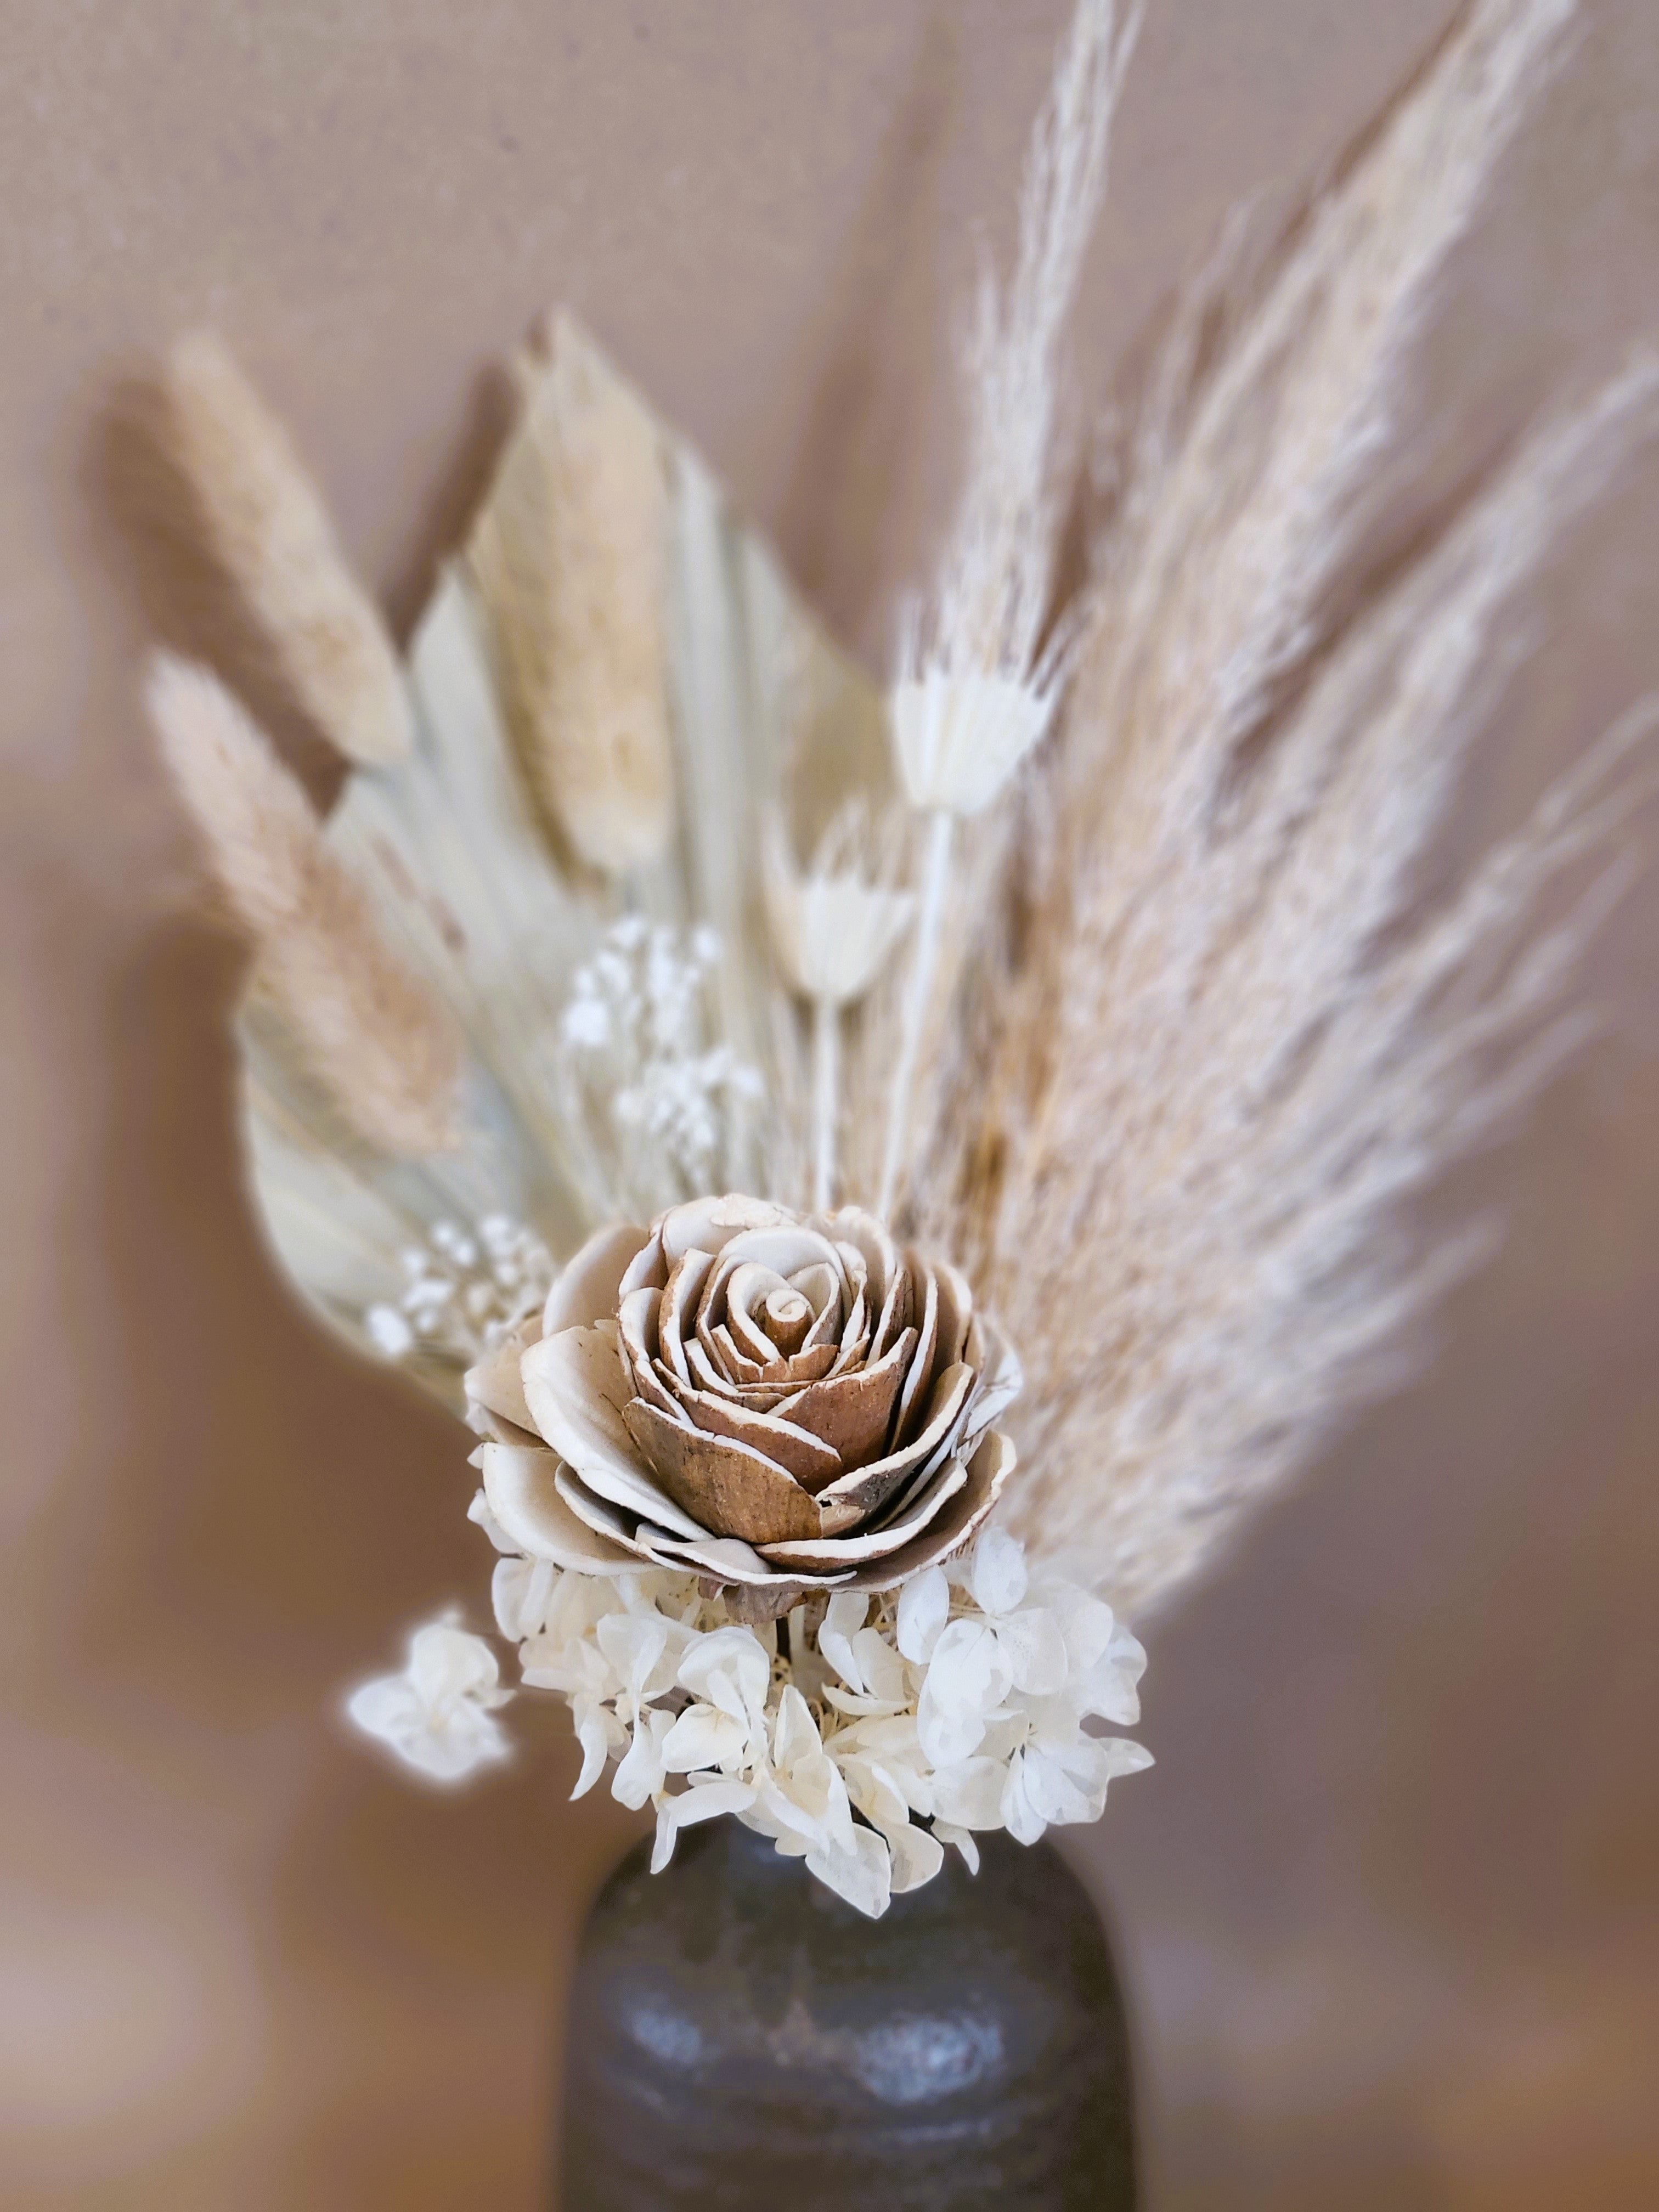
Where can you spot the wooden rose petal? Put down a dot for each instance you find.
(808, 1458)
(852, 1411)
(679, 1299)
(588, 1285)
(1001, 1378)
(725, 1486)
(872, 1541)
(862, 1491)
(774, 1402)
(496, 1384)
(727, 1557)
(709, 1224)
(956, 1525)
(571, 1381)
(521, 1487)
(913, 1397)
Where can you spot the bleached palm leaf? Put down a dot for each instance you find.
(473, 895)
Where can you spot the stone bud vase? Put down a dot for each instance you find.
(743, 2040)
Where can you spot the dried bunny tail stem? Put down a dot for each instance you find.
(1254, 1047)
(572, 563)
(269, 532)
(976, 692)
(386, 1050)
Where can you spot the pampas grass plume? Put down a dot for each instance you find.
(270, 533)
(387, 1051)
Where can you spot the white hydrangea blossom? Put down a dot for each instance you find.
(634, 1027)
(863, 1735)
(438, 1715)
(462, 1289)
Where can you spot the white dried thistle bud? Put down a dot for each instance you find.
(958, 738)
(833, 925)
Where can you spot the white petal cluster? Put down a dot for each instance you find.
(834, 923)
(870, 1734)
(959, 737)
(438, 1715)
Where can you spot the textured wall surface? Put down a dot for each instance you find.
(1387, 1903)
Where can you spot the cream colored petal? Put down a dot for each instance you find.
(853, 1225)
(496, 1383)
(647, 1270)
(864, 1490)
(727, 1559)
(627, 1530)
(709, 1224)
(679, 1299)
(727, 1488)
(496, 1431)
(588, 1283)
(1001, 1379)
(574, 1381)
(521, 1487)
(636, 1331)
(918, 1381)
(955, 1524)
(866, 1543)
(956, 1315)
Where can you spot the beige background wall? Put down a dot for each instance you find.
(1388, 1900)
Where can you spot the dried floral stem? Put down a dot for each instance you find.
(935, 888)
(826, 1099)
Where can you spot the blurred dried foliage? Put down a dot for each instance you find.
(1388, 1914)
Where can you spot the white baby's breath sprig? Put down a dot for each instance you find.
(463, 1289)
(833, 925)
(658, 1100)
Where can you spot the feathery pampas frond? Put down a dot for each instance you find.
(1226, 1048)
(269, 532)
(387, 1051)
(974, 693)
(570, 558)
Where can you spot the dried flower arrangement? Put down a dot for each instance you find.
(572, 1090)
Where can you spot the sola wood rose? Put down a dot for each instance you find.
(774, 1401)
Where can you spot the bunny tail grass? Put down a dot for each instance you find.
(385, 1050)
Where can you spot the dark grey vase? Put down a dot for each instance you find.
(740, 2038)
